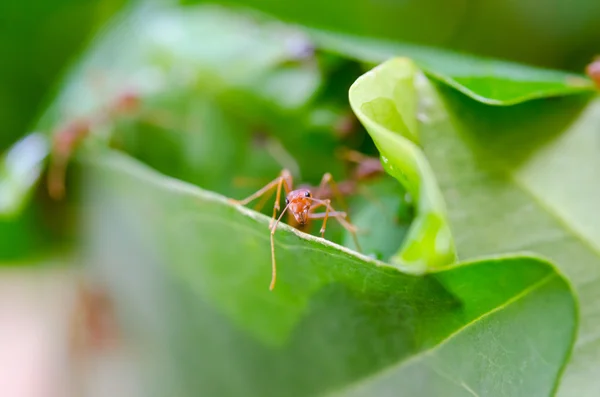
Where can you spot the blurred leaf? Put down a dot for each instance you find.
(38, 38)
(389, 114)
(191, 272)
(519, 178)
(19, 171)
(23, 232)
(196, 73)
(20, 236)
(491, 81)
(552, 34)
(251, 65)
(382, 215)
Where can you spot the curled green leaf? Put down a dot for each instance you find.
(385, 101)
(490, 81)
(523, 177)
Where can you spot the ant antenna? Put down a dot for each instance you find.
(273, 264)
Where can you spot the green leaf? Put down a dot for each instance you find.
(428, 243)
(249, 64)
(167, 57)
(554, 35)
(24, 230)
(190, 273)
(39, 38)
(20, 168)
(519, 178)
(382, 211)
(487, 80)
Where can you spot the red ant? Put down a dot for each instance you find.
(367, 168)
(65, 142)
(593, 71)
(301, 203)
(69, 137)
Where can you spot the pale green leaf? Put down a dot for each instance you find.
(428, 243)
(487, 80)
(520, 178)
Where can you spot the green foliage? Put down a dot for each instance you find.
(552, 34)
(337, 322)
(490, 81)
(39, 38)
(19, 171)
(459, 290)
(429, 242)
(513, 180)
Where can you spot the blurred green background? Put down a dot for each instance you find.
(38, 38)
(41, 39)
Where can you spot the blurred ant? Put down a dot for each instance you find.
(301, 203)
(65, 142)
(68, 138)
(367, 168)
(593, 71)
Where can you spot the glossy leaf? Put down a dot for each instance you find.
(519, 178)
(382, 211)
(487, 80)
(191, 274)
(428, 243)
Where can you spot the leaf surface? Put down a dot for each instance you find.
(492, 81)
(519, 178)
(193, 270)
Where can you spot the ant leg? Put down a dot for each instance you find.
(65, 142)
(334, 214)
(352, 155)
(241, 181)
(341, 217)
(258, 193)
(324, 225)
(261, 203)
(366, 168)
(273, 263)
(287, 182)
(56, 178)
(328, 180)
(268, 187)
(284, 179)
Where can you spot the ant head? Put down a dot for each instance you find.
(299, 202)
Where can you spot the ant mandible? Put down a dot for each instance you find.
(301, 203)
